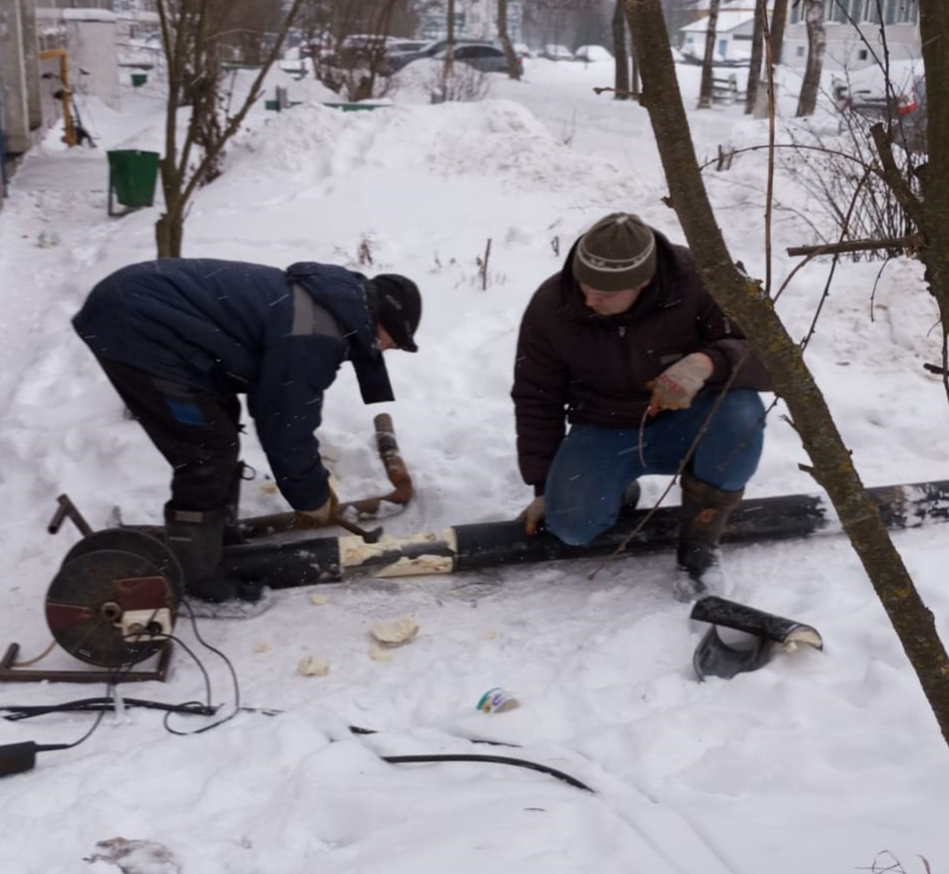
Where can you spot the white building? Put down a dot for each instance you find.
(474, 19)
(852, 29)
(734, 30)
(849, 25)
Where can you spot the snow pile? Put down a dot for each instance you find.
(820, 761)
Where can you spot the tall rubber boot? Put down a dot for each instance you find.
(702, 519)
(197, 541)
(232, 532)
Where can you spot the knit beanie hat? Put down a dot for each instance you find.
(617, 253)
(400, 308)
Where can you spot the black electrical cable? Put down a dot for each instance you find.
(94, 705)
(83, 739)
(499, 760)
(220, 655)
(237, 690)
(102, 705)
(355, 729)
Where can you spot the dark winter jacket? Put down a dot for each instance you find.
(228, 327)
(576, 366)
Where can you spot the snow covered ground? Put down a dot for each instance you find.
(817, 762)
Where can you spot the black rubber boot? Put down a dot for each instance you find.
(702, 519)
(197, 540)
(232, 532)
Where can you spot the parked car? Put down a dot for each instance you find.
(689, 57)
(482, 56)
(362, 50)
(556, 53)
(432, 49)
(406, 46)
(903, 108)
(589, 54)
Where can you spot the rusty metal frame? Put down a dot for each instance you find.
(9, 673)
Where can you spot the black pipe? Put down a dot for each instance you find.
(286, 564)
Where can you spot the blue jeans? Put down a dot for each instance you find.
(593, 466)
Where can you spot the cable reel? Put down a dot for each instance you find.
(115, 599)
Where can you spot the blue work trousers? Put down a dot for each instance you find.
(593, 466)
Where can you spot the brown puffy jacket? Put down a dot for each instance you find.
(575, 366)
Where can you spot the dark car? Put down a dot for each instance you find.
(432, 49)
(902, 106)
(483, 57)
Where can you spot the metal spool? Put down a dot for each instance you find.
(136, 542)
(101, 605)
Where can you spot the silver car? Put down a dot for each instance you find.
(902, 106)
(482, 56)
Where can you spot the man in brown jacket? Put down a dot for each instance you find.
(626, 346)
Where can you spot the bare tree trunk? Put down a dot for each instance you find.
(779, 19)
(773, 39)
(742, 299)
(637, 89)
(193, 66)
(757, 53)
(450, 51)
(513, 62)
(816, 43)
(620, 54)
(705, 94)
(934, 221)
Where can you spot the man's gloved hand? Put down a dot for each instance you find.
(320, 517)
(676, 387)
(533, 514)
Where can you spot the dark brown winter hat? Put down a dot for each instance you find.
(617, 253)
(400, 308)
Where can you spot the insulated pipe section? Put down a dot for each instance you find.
(288, 564)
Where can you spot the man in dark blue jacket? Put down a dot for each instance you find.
(181, 338)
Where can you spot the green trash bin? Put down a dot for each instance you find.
(139, 79)
(132, 178)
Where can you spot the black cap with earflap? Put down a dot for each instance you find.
(400, 308)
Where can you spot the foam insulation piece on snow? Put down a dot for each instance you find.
(395, 632)
(314, 666)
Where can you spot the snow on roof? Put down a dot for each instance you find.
(88, 15)
(727, 5)
(727, 22)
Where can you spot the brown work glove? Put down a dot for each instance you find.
(676, 387)
(320, 517)
(533, 514)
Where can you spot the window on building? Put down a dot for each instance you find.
(836, 12)
(907, 12)
(856, 9)
(871, 11)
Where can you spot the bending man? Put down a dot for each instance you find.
(180, 339)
